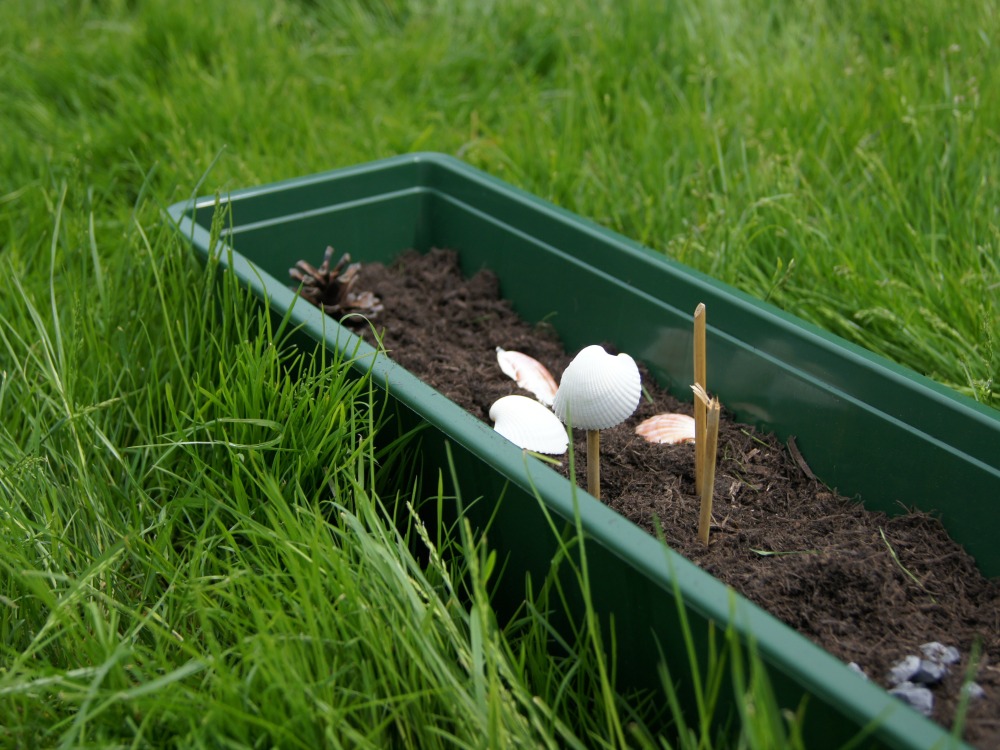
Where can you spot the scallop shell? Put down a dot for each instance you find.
(529, 373)
(667, 428)
(598, 390)
(528, 424)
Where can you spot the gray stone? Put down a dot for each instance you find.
(904, 670)
(929, 673)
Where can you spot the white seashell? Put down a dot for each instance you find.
(667, 428)
(598, 390)
(528, 424)
(529, 373)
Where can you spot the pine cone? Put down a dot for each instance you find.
(332, 289)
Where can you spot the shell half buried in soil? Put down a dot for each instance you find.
(667, 428)
(529, 374)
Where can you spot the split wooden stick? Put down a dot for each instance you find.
(699, 405)
(711, 441)
(594, 463)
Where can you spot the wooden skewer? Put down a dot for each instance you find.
(699, 405)
(594, 463)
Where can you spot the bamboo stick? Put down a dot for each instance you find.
(708, 482)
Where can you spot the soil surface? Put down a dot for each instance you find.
(867, 587)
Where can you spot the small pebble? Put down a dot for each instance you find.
(904, 670)
(853, 666)
(940, 653)
(916, 696)
(974, 689)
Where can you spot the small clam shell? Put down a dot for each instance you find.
(598, 390)
(528, 424)
(529, 373)
(667, 428)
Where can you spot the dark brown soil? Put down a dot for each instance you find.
(819, 562)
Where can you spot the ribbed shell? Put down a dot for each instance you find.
(528, 424)
(667, 428)
(529, 373)
(598, 390)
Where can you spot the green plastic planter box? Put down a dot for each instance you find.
(865, 425)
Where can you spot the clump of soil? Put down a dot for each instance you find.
(818, 561)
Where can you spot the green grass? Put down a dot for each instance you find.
(838, 160)
(743, 138)
(195, 549)
(204, 562)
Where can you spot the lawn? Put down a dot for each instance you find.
(194, 546)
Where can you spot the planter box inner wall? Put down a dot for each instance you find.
(866, 426)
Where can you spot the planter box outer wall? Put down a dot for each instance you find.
(866, 426)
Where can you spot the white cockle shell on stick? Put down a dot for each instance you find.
(528, 373)
(529, 425)
(670, 429)
(598, 390)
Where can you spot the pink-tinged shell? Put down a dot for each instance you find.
(667, 428)
(528, 424)
(529, 374)
(598, 390)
